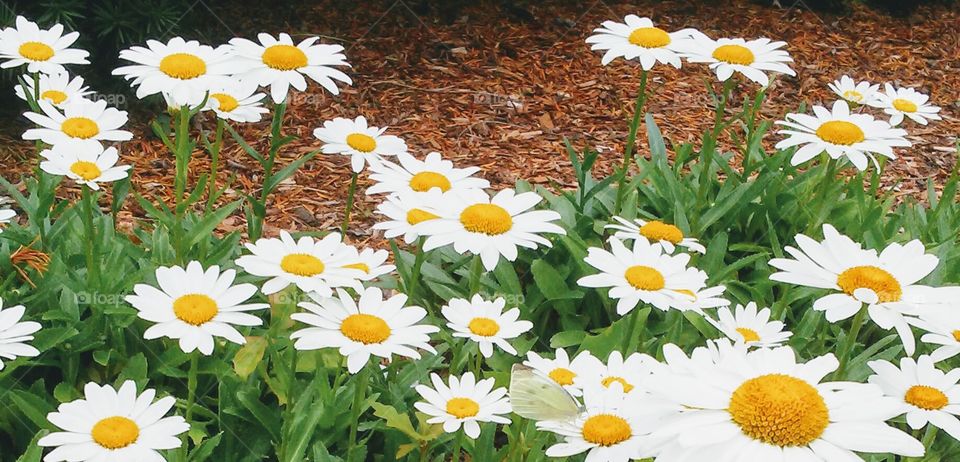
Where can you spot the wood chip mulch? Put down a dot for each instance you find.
(502, 93)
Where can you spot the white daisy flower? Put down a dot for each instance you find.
(183, 70)
(81, 122)
(611, 429)
(6, 216)
(370, 262)
(373, 326)
(840, 133)
(405, 211)
(637, 38)
(929, 395)
(238, 101)
(57, 89)
(422, 175)
(750, 326)
(42, 50)
(630, 372)
(886, 283)
(764, 405)
(465, 402)
(490, 227)
(485, 322)
(364, 144)
(643, 274)
(564, 371)
(943, 331)
(855, 93)
(109, 424)
(657, 232)
(193, 306)
(86, 164)
(313, 265)
(725, 56)
(279, 64)
(900, 102)
(14, 333)
(698, 300)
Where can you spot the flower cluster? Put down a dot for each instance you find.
(743, 395)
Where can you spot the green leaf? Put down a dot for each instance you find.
(249, 356)
(205, 227)
(205, 449)
(396, 420)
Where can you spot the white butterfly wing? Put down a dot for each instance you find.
(537, 397)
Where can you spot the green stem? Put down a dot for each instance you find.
(710, 144)
(631, 139)
(182, 157)
(417, 267)
(457, 444)
(359, 395)
(350, 197)
(255, 226)
(478, 364)
(476, 269)
(191, 395)
(847, 347)
(632, 332)
(829, 173)
(93, 269)
(928, 439)
(214, 163)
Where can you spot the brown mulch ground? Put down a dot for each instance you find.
(493, 91)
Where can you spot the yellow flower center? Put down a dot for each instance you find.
(649, 37)
(562, 376)
(627, 386)
(54, 96)
(853, 95)
(780, 410)
(415, 216)
(115, 432)
(748, 334)
(425, 181)
(361, 142)
(927, 398)
(606, 430)
(284, 57)
(226, 102)
(359, 266)
(644, 277)
(36, 51)
(904, 105)
(462, 408)
(840, 132)
(365, 328)
(488, 219)
(876, 279)
(183, 66)
(484, 327)
(80, 127)
(956, 335)
(86, 170)
(302, 264)
(734, 54)
(660, 231)
(195, 309)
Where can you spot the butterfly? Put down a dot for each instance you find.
(535, 396)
